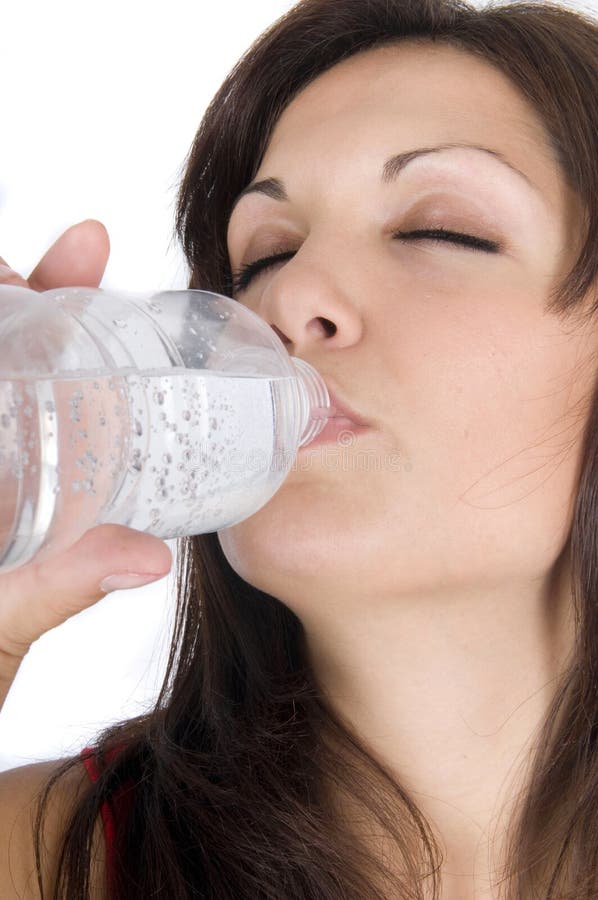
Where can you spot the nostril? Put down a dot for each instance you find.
(329, 326)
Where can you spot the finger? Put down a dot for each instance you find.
(49, 592)
(78, 257)
(9, 276)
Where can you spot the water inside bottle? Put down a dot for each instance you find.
(173, 451)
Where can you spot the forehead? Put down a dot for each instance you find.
(405, 95)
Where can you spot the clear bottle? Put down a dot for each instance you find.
(176, 413)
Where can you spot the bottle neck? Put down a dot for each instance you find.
(315, 402)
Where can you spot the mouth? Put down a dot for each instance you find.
(341, 410)
(342, 427)
(338, 430)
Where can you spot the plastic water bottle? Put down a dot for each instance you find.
(175, 413)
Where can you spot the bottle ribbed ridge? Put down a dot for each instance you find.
(315, 402)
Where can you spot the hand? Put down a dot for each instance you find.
(39, 596)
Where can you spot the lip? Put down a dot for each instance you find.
(338, 430)
(342, 410)
(342, 426)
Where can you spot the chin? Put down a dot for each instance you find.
(308, 537)
(273, 545)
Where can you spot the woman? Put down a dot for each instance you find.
(382, 684)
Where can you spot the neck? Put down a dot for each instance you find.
(449, 696)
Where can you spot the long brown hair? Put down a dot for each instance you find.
(228, 767)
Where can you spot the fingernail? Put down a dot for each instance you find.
(126, 580)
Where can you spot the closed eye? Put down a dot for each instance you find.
(242, 278)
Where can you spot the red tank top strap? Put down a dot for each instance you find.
(114, 809)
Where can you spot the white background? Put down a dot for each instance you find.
(100, 103)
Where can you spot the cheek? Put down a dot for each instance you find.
(493, 410)
(485, 402)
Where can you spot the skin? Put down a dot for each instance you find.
(435, 594)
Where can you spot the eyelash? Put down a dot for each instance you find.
(242, 278)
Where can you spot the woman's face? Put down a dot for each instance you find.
(477, 398)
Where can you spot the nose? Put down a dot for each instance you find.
(309, 311)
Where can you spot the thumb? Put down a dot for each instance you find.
(78, 257)
(40, 596)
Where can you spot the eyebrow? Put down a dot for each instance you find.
(275, 189)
